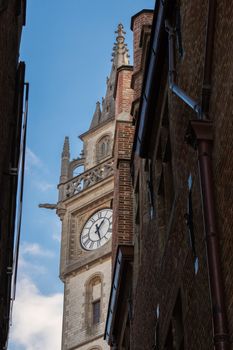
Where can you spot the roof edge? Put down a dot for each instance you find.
(96, 127)
(138, 14)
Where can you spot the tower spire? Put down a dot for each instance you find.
(65, 160)
(120, 57)
(120, 51)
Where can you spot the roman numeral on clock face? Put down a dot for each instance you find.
(91, 245)
(108, 214)
(84, 236)
(87, 243)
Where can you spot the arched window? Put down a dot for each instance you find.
(78, 170)
(76, 167)
(103, 148)
(94, 294)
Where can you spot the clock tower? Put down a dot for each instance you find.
(85, 209)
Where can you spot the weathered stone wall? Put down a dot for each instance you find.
(91, 140)
(76, 332)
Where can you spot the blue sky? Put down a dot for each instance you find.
(67, 47)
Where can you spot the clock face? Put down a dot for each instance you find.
(97, 230)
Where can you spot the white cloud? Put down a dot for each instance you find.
(37, 318)
(43, 186)
(34, 249)
(32, 159)
(36, 169)
(32, 269)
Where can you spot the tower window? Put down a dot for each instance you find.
(96, 311)
(94, 303)
(103, 148)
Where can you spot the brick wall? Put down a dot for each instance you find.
(221, 106)
(163, 271)
(138, 22)
(124, 132)
(124, 93)
(123, 197)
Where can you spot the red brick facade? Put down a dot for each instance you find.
(123, 196)
(170, 305)
(123, 93)
(140, 24)
(172, 271)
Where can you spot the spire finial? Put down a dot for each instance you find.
(120, 31)
(66, 148)
(120, 58)
(120, 50)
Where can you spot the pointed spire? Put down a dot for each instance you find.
(120, 51)
(66, 148)
(120, 57)
(96, 116)
(65, 161)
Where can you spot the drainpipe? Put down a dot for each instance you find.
(202, 137)
(175, 89)
(205, 148)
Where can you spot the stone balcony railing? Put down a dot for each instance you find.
(88, 178)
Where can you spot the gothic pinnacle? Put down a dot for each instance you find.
(96, 116)
(120, 50)
(66, 148)
(120, 31)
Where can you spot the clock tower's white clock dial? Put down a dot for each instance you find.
(97, 230)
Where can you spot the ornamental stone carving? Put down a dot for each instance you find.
(89, 178)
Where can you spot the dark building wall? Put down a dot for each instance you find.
(221, 106)
(170, 270)
(12, 14)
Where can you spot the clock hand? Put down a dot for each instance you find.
(97, 230)
(101, 223)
